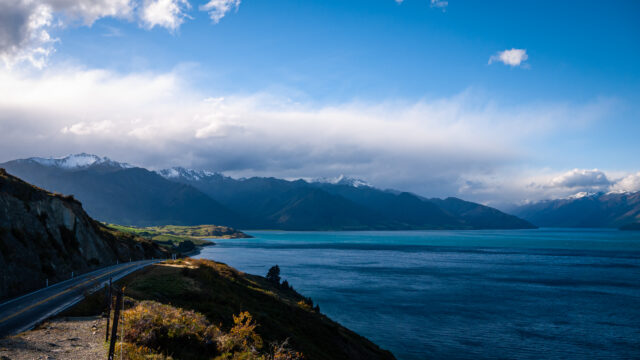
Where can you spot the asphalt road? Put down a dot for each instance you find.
(23, 313)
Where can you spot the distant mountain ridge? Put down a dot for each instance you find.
(605, 210)
(119, 193)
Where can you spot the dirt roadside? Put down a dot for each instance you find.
(61, 338)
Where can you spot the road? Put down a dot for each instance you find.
(23, 313)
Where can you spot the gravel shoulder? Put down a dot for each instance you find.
(61, 338)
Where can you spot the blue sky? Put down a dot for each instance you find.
(321, 88)
(337, 50)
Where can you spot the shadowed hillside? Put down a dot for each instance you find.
(47, 236)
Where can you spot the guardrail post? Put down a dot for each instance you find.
(114, 329)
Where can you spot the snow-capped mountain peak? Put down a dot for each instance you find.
(76, 161)
(342, 180)
(188, 174)
(580, 195)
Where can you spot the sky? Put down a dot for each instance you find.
(499, 102)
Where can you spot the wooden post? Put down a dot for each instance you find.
(110, 297)
(107, 296)
(114, 329)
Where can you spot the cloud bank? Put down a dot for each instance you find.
(456, 145)
(581, 178)
(26, 25)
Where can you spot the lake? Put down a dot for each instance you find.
(518, 294)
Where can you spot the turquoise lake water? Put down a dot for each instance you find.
(520, 294)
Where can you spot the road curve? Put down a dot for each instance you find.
(23, 313)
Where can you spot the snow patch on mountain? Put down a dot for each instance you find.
(188, 174)
(342, 180)
(580, 195)
(76, 161)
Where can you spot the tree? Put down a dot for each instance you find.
(274, 275)
(285, 285)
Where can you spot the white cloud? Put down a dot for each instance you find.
(23, 34)
(88, 128)
(169, 14)
(629, 183)
(217, 9)
(88, 11)
(581, 178)
(440, 4)
(513, 57)
(26, 26)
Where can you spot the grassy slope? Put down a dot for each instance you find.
(219, 291)
(172, 234)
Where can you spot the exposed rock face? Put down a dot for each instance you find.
(48, 236)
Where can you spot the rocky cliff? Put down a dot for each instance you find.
(49, 236)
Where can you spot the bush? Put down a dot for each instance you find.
(241, 342)
(168, 330)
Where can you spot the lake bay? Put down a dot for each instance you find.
(525, 294)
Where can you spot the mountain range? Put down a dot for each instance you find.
(121, 193)
(601, 210)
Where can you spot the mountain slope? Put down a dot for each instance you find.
(599, 210)
(318, 210)
(126, 195)
(479, 216)
(47, 236)
(340, 203)
(403, 208)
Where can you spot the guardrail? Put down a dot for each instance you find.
(73, 275)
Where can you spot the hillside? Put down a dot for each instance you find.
(610, 210)
(479, 216)
(219, 292)
(47, 236)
